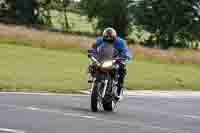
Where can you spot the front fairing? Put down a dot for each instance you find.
(105, 52)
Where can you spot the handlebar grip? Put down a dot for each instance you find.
(89, 55)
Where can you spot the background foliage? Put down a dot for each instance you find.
(156, 23)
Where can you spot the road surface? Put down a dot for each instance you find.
(54, 113)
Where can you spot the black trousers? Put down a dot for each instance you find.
(122, 75)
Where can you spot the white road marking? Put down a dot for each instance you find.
(76, 115)
(192, 116)
(105, 120)
(90, 117)
(167, 94)
(131, 124)
(133, 94)
(170, 113)
(43, 94)
(60, 112)
(11, 130)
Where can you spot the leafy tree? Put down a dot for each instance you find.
(65, 4)
(46, 6)
(44, 10)
(23, 11)
(110, 13)
(171, 22)
(2, 8)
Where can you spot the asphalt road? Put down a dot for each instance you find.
(34, 113)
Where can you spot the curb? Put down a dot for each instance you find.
(148, 93)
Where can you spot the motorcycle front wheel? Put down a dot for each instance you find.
(94, 98)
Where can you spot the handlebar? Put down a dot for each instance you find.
(120, 59)
(115, 60)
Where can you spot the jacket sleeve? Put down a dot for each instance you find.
(99, 41)
(125, 51)
(95, 45)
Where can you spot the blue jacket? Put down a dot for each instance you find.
(118, 44)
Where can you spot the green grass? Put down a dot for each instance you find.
(31, 69)
(36, 69)
(153, 76)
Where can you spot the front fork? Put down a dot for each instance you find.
(104, 88)
(105, 83)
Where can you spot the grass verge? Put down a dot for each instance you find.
(20, 35)
(37, 69)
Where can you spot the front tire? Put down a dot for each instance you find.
(94, 98)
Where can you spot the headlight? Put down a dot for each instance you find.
(107, 64)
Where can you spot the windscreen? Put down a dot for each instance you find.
(105, 52)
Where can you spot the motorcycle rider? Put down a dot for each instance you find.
(119, 44)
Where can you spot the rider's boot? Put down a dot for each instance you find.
(119, 94)
(90, 78)
(122, 74)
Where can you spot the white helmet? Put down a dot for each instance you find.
(109, 34)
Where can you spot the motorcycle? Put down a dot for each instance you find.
(104, 82)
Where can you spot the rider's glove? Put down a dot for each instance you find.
(91, 52)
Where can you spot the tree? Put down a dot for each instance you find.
(3, 8)
(23, 11)
(44, 10)
(47, 6)
(110, 13)
(169, 22)
(65, 4)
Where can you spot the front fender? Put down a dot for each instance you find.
(102, 76)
